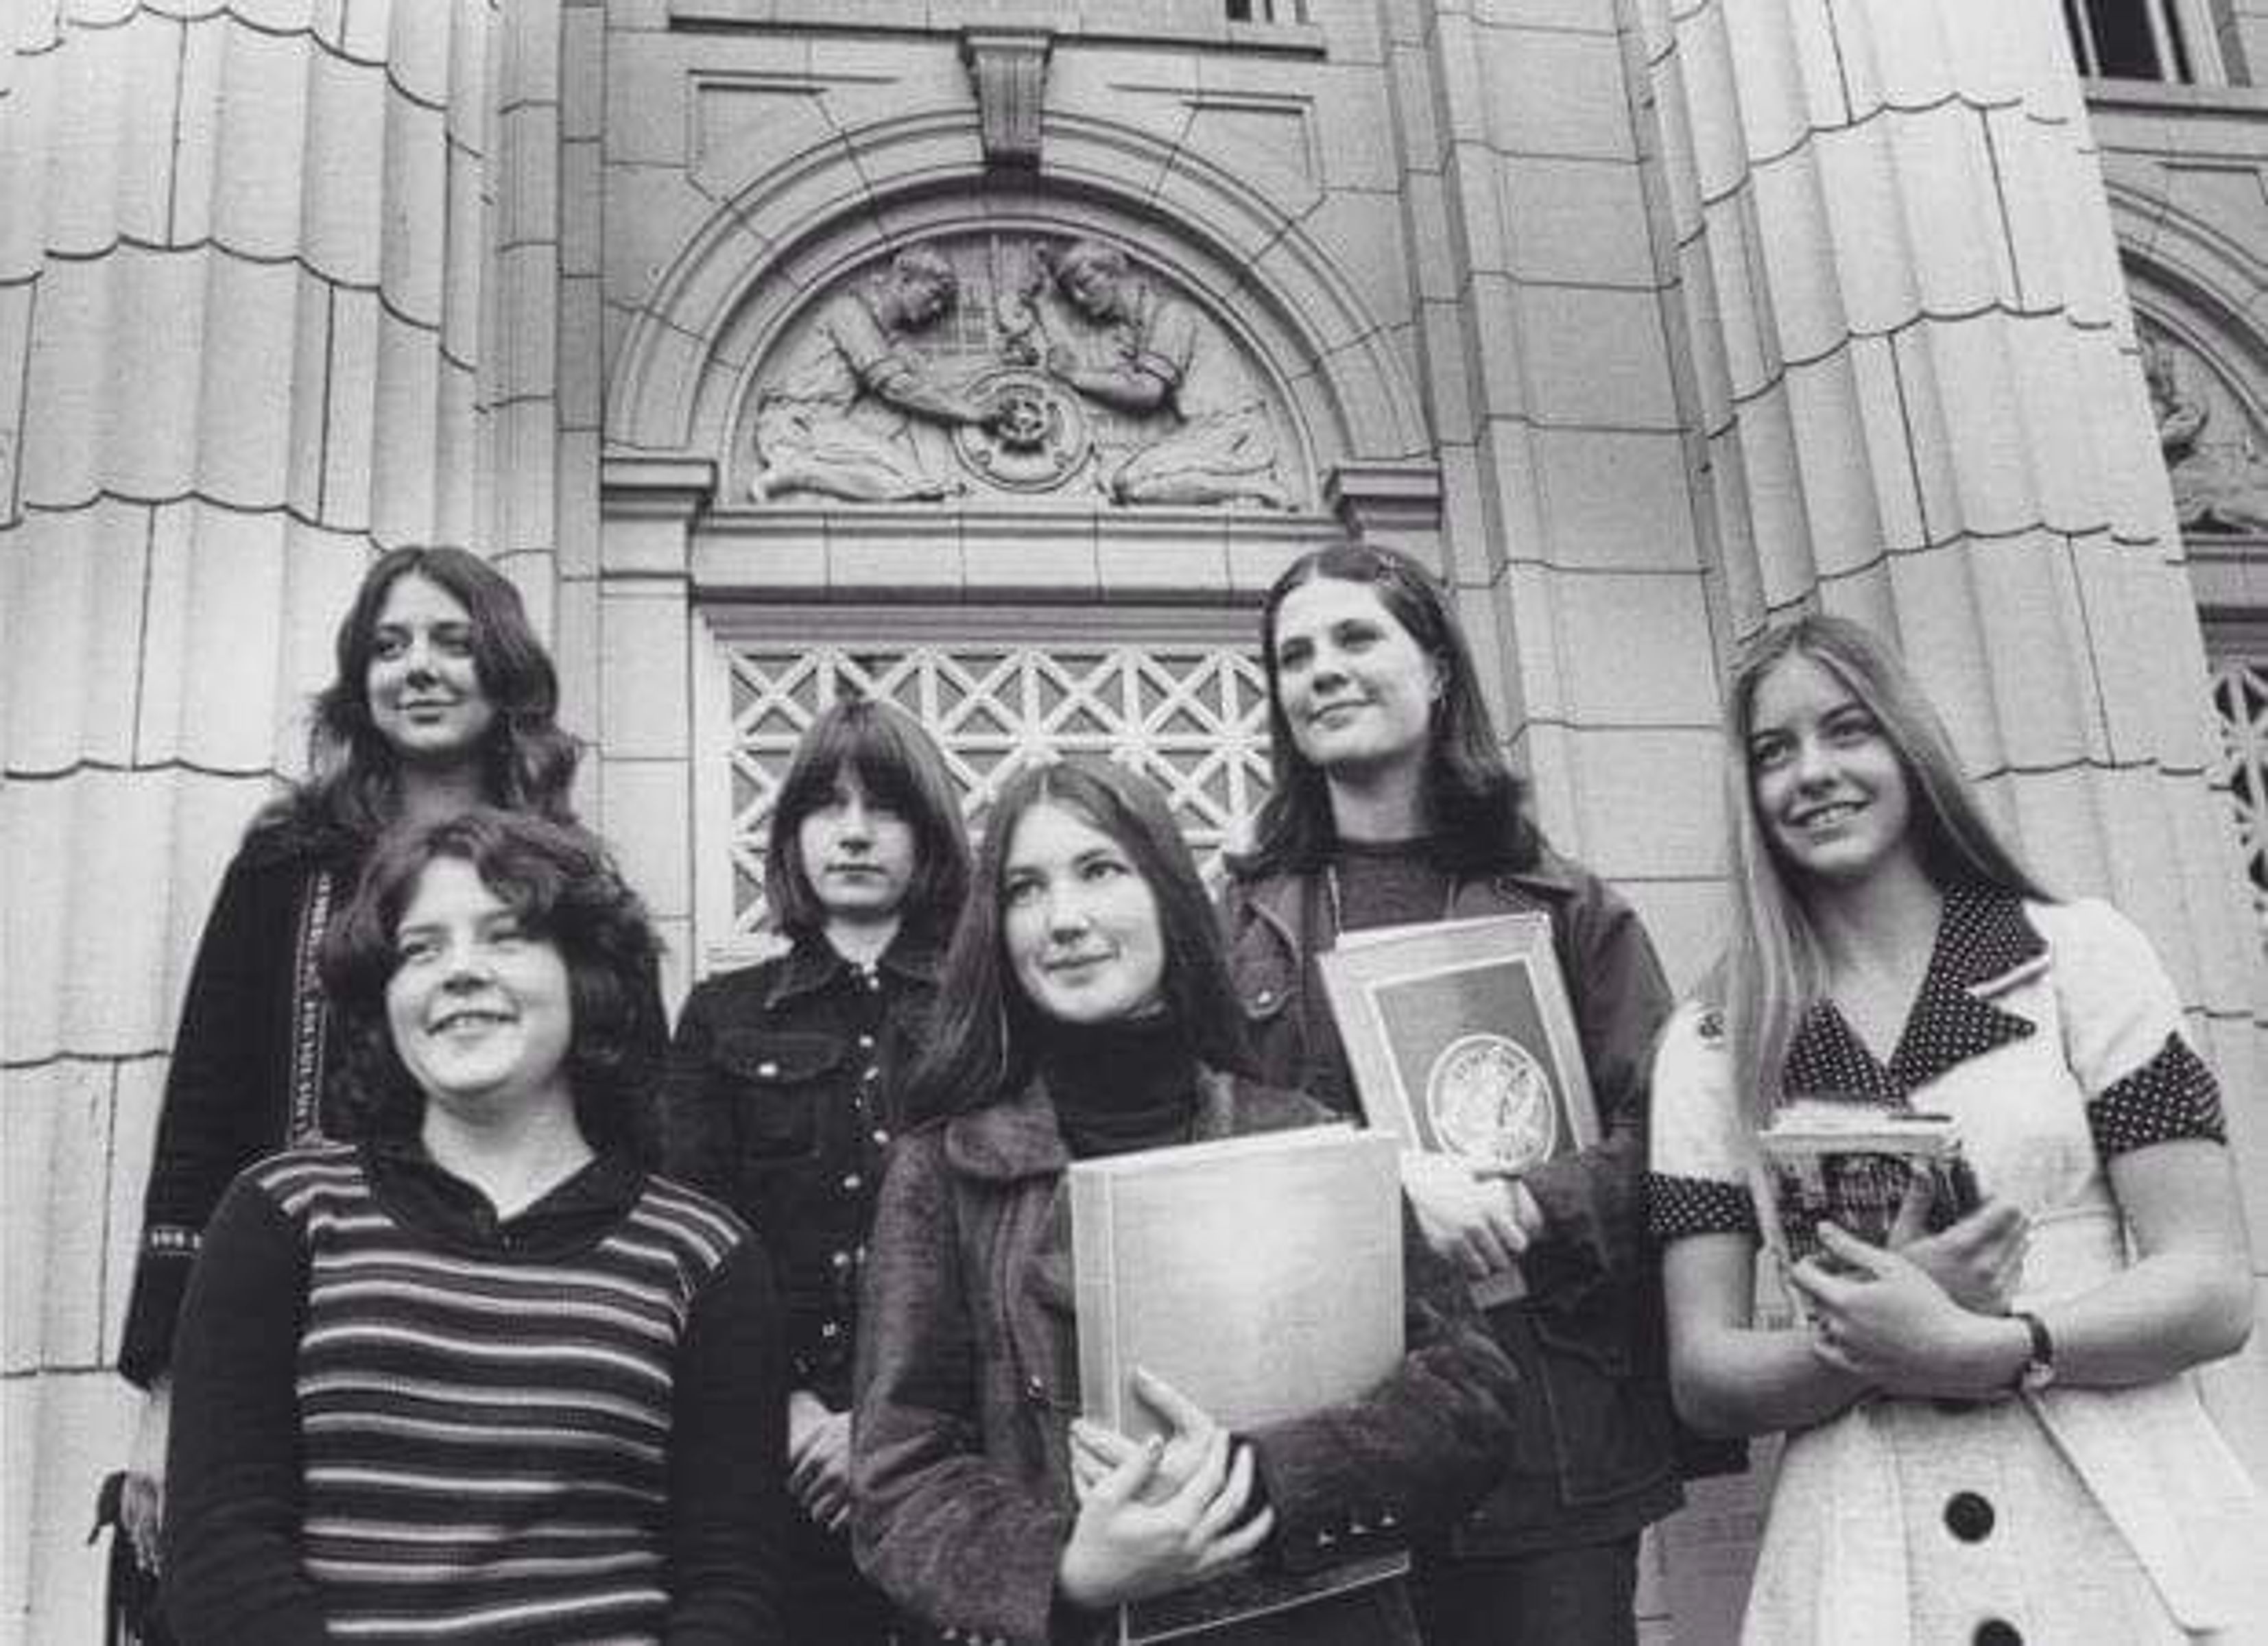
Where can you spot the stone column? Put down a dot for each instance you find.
(1910, 356)
(1569, 520)
(275, 294)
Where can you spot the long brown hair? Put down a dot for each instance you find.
(898, 767)
(527, 763)
(1472, 802)
(980, 1049)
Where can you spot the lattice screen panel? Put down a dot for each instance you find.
(2240, 699)
(1192, 713)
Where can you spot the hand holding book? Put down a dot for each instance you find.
(1129, 1544)
(1879, 1316)
(1480, 1219)
(1892, 1178)
(1978, 1260)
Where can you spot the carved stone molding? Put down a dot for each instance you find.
(1382, 502)
(1020, 367)
(1010, 69)
(2216, 457)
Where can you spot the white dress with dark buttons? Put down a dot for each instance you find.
(2052, 1035)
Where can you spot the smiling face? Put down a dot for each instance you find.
(1831, 795)
(481, 1009)
(1079, 921)
(426, 698)
(857, 856)
(1356, 689)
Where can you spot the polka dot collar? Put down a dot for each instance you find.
(1984, 937)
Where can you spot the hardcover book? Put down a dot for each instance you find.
(1462, 1040)
(1851, 1163)
(1262, 1277)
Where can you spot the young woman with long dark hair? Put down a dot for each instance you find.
(780, 1098)
(1090, 1013)
(444, 698)
(1393, 805)
(1992, 1433)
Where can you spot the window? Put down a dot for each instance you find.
(2239, 657)
(1267, 11)
(2130, 39)
(1178, 694)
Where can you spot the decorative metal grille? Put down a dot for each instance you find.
(2240, 699)
(1190, 714)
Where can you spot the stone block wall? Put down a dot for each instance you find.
(1643, 319)
(276, 295)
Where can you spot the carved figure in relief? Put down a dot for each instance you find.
(833, 421)
(1162, 356)
(2219, 486)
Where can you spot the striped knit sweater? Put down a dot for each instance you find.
(485, 1424)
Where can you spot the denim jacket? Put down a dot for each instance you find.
(969, 1379)
(1595, 1456)
(778, 1102)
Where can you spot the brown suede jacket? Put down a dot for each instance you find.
(969, 1379)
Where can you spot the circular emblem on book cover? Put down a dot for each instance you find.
(1490, 1099)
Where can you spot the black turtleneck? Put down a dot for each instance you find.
(1119, 1086)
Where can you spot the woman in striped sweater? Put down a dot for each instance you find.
(479, 1377)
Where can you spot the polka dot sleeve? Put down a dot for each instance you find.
(1697, 1182)
(2122, 1032)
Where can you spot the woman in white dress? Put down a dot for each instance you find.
(1992, 1434)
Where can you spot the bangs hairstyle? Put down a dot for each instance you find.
(527, 763)
(899, 768)
(1471, 801)
(1775, 968)
(558, 880)
(981, 1041)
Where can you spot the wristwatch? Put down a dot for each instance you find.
(2038, 1370)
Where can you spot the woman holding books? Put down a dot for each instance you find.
(1393, 805)
(479, 1377)
(778, 1100)
(1091, 1015)
(444, 698)
(1992, 1434)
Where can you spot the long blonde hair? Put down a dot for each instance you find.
(1775, 968)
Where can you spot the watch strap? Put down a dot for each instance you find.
(2038, 1370)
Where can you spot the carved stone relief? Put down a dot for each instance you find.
(2213, 448)
(1016, 366)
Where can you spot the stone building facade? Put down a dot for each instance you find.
(1640, 319)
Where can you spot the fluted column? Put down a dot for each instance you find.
(1910, 354)
(277, 292)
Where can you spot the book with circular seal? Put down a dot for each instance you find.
(1461, 1041)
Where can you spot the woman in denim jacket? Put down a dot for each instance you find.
(1091, 1015)
(1393, 804)
(778, 1100)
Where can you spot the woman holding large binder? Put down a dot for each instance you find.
(1992, 1436)
(1090, 1013)
(1393, 805)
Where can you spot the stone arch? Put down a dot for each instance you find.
(2191, 279)
(801, 225)
(2200, 313)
